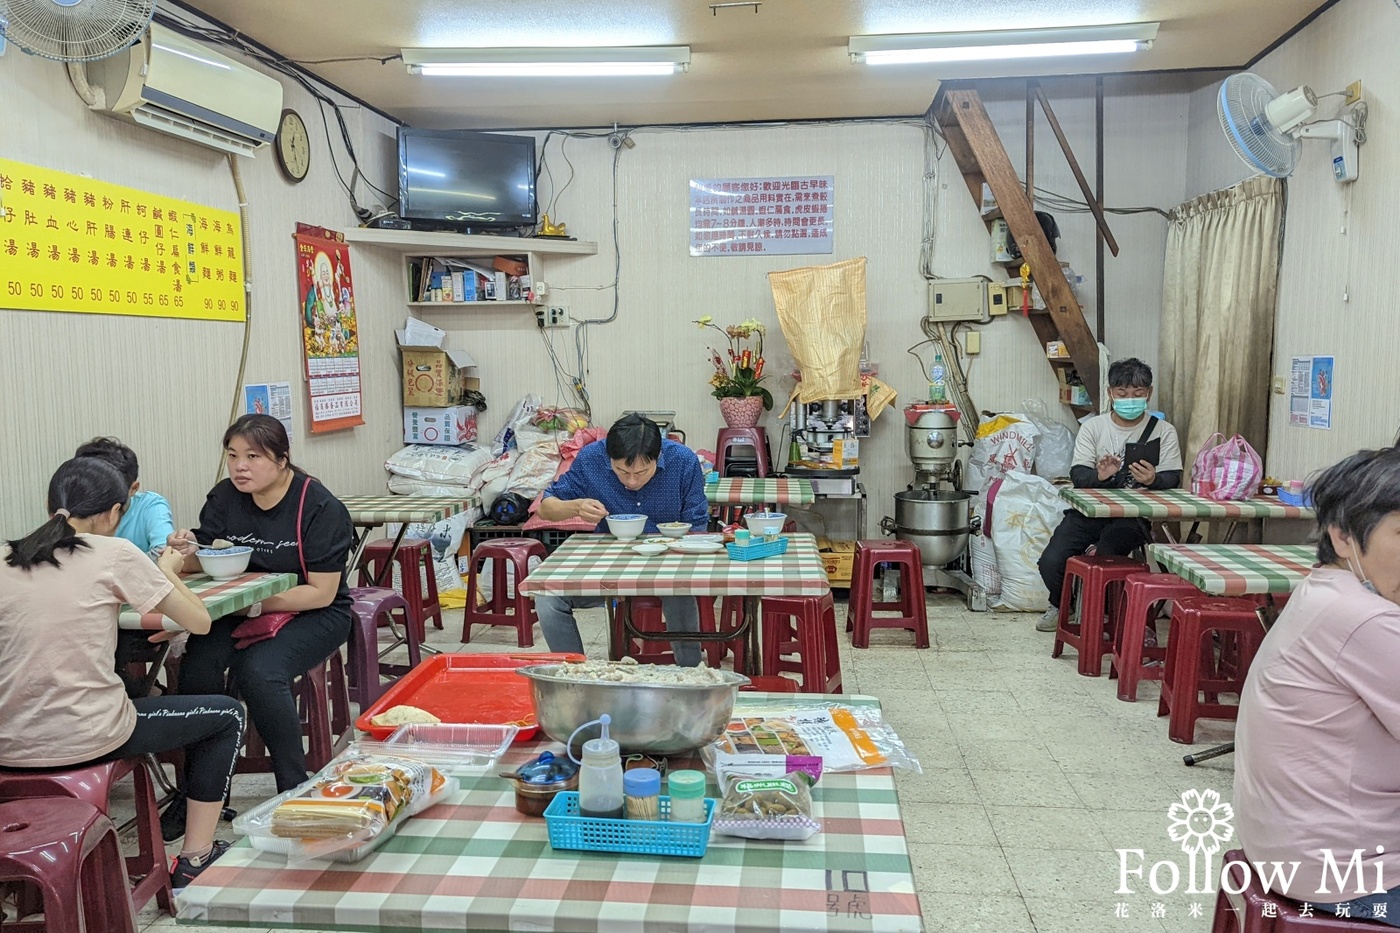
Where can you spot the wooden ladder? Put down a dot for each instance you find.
(981, 157)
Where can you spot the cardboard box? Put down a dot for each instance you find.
(449, 426)
(1074, 395)
(437, 378)
(1056, 350)
(838, 559)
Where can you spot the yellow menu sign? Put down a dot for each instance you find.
(69, 243)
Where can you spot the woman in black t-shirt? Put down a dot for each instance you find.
(258, 506)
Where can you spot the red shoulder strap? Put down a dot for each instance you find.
(301, 508)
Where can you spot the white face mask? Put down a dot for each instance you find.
(1360, 574)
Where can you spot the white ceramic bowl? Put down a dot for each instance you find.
(649, 549)
(225, 564)
(765, 523)
(627, 527)
(673, 529)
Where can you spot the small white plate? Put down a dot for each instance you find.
(649, 549)
(694, 545)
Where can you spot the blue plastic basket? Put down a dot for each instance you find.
(757, 550)
(1295, 498)
(568, 830)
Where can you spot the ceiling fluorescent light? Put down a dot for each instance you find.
(999, 45)
(549, 62)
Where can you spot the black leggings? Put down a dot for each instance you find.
(208, 728)
(1114, 537)
(263, 674)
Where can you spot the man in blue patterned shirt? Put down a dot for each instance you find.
(633, 471)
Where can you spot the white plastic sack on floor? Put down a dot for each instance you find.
(445, 537)
(1054, 448)
(483, 579)
(1025, 512)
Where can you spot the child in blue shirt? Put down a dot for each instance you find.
(147, 522)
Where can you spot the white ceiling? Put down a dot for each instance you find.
(786, 61)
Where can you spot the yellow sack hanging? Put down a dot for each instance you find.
(822, 312)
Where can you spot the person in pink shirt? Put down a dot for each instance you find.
(1317, 770)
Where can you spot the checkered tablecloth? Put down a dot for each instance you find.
(474, 863)
(734, 490)
(1167, 505)
(220, 597)
(1236, 569)
(382, 510)
(600, 565)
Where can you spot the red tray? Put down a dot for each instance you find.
(466, 688)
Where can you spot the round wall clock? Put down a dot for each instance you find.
(293, 146)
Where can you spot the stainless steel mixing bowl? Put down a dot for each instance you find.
(657, 719)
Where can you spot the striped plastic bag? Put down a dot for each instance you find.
(1230, 470)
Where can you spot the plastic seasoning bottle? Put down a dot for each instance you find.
(687, 789)
(742, 537)
(600, 776)
(937, 380)
(642, 788)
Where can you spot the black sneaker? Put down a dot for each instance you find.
(186, 869)
(172, 818)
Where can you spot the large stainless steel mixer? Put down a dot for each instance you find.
(937, 520)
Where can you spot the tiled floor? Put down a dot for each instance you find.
(1033, 778)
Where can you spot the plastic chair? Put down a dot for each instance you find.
(507, 605)
(646, 616)
(1137, 608)
(415, 560)
(69, 851)
(323, 700)
(1254, 910)
(757, 438)
(913, 614)
(1095, 576)
(92, 784)
(375, 608)
(1192, 668)
(805, 626)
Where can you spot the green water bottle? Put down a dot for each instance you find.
(937, 380)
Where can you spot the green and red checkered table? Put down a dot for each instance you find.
(1175, 505)
(220, 597)
(1236, 569)
(474, 863)
(733, 490)
(369, 512)
(600, 565)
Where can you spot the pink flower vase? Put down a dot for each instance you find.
(741, 412)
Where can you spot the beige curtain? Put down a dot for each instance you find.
(1220, 286)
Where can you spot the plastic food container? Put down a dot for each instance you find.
(453, 746)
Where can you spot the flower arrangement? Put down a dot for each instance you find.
(742, 375)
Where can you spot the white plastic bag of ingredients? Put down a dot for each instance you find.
(846, 738)
(1025, 513)
(1054, 447)
(1004, 443)
(981, 552)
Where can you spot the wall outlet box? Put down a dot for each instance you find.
(552, 316)
(1353, 93)
(972, 342)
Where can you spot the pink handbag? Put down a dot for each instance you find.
(1230, 470)
(265, 626)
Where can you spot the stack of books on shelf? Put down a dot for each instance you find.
(504, 278)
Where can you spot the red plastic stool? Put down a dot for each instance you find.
(375, 608)
(92, 784)
(1255, 910)
(769, 685)
(731, 616)
(646, 615)
(415, 560)
(1096, 575)
(757, 438)
(323, 700)
(1192, 668)
(1137, 609)
(69, 851)
(861, 607)
(517, 610)
(805, 626)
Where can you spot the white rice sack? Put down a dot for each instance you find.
(981, 551)
(446, 538)
(534, 470)
(451, 465)
(1026, 512)
(493, 478)
(406, 486)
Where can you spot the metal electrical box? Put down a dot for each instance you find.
(958, 300)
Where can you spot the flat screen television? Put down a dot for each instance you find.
(463, 180)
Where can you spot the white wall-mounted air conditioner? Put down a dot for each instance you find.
(182, 87)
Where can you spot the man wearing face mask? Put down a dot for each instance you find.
(1098, 464)
(1317, 745)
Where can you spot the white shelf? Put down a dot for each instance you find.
(461, 244)
(455, 305)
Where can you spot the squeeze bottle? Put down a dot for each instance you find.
(600, 774)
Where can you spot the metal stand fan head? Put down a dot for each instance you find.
(1263, 124)
(74, 30)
